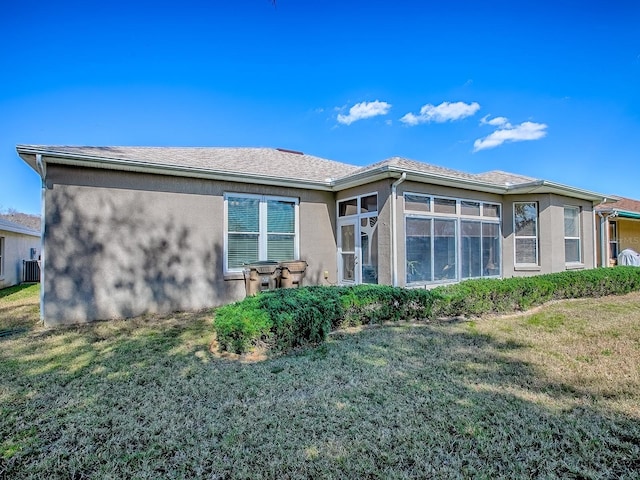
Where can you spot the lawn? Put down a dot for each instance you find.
(553, 393)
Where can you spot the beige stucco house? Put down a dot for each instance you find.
(17, 244)
(618, 228)
(130, 230)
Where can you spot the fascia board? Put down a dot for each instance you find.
(173, 170)
(544, 186)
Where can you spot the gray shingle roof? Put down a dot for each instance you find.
(495, 177)
(265, 162)
(272, 166)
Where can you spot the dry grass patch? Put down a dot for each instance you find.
(495, 398)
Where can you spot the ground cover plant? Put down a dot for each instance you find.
(553, 393)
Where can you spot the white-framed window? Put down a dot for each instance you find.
(1, 256)
(525, 228)
(259, 227)
(363, 205)
(572, 243)
(447, 239)
(613, 240)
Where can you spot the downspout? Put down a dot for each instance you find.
(42, 170)
(394, 230)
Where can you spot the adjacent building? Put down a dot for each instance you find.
(18, 244)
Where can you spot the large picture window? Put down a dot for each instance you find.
(259, 228)
(525, 221)
(572, 247)
(448, 239)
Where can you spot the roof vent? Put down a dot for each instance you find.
(285, 150)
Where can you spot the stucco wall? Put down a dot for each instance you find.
(17, 247)
(122, 244)
(550, 234)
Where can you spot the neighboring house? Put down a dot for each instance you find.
(17, 244)
(130, 230)
(618, 226)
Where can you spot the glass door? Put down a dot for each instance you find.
(349, 271)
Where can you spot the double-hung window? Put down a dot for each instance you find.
(572, 250)
(525, 227)
(259, 227)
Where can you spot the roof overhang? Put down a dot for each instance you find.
(50, 156)
(391, 171)
(536, 187)
(615, 213)
(544, 186)
(28, 154)
(15, 228)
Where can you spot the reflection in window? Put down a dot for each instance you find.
(572, 235)
(525, 220)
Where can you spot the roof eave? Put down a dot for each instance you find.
(544, 186)
(76, 160)
(392, 171)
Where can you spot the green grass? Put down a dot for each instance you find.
(510, 397)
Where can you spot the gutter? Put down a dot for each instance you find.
(394, 230)
(42, 170)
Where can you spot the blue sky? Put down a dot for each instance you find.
(545, 89)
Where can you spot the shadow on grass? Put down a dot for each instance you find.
(149, 401)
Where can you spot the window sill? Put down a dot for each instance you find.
(574, 266)
(527, 268)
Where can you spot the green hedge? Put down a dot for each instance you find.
(290, 318)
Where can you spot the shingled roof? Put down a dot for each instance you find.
(272, 166)
(261, 162)
(622, 205)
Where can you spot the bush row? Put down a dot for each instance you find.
(290, 318)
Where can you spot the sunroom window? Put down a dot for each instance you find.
(456, 239)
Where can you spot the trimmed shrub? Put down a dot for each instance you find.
(290, 318)
(241, 325)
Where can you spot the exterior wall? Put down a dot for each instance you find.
(550, 235)
(121, 244)
(17, 247)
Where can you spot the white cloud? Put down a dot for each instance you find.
(496, 122)
(509, 133)
(364, 110)
(445, 112)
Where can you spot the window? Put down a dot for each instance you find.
(613, 239)
(525, 221)
(259, 228)
(572, 252)
(1, 256)
(448, 239)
